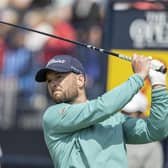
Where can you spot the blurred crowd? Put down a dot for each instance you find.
(23, 52)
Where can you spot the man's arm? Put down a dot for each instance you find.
(72, 117)
(155, 127)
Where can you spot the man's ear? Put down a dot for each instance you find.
(80, 80)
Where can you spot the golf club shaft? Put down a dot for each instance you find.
(124, 57)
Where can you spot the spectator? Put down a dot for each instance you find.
(63, 28)
(36, 20)
(21, 7)
(17, 74)
(93, 66)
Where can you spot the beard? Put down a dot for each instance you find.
(68, 96)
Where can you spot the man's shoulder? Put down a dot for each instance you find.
(56, 106)
(54, 111)
(60, 108)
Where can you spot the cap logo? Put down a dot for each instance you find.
(60, 61)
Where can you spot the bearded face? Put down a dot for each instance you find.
(62, 87)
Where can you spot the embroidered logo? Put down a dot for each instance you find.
(53, 61)
(63, 110)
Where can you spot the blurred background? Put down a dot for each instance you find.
(102, 23)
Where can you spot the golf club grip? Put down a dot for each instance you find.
(161, 69)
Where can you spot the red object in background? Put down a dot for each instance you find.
(55, 47)
(147, 5)
(2, 48)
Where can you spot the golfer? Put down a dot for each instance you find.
(81, 133)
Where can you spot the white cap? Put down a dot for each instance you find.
(138, 103)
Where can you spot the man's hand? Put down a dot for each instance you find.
(141, 65)
(157, 78)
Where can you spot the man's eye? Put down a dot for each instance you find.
(59, 76)
(48, 81)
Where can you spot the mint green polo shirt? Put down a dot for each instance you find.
(93, 134)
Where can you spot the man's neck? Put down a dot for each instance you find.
(81, 98)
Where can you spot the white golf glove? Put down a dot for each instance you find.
(156, 77)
